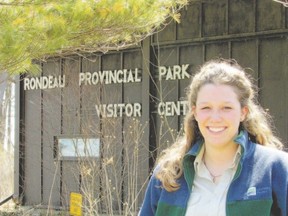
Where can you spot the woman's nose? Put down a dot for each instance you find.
(215, 115)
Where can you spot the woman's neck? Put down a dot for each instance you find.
(217, 160)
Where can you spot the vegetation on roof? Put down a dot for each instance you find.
(35, 29)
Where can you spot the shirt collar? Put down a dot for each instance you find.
(199, 158)
(241, 139)
(237, 157)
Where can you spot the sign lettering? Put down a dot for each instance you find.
(171, 108)
(109, 77)
(168, 108)
(119, 110)
(173, 72)
(45, 82)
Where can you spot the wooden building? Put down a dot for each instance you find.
(125, 106)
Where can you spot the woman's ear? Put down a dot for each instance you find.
(193, 110)
(244, 113)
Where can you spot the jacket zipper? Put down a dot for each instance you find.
(239, 169)
(187, 182)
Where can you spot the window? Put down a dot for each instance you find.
(77, 148)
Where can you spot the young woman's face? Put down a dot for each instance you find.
(218, 113)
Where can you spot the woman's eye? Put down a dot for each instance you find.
(227, 108)
(205, 108)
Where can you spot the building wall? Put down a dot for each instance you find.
(252, 32)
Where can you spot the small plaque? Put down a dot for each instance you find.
(75, 204)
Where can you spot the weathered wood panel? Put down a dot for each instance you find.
(246, 54)
(70, 177)
(269, 15)
(90, 170)
(241, 16)
(32, 182)
(112, 149)
(190, 27)
(166, 90)
(214, 18)
(273, 66)
(167, 32)
(51, 128)
(194, 56)
(135, 153)
(90, 96)
(217, 50)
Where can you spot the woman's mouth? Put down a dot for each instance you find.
(216, 129)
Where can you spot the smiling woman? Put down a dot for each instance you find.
(218, 113)
(228, 156)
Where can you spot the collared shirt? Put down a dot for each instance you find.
(208, 198)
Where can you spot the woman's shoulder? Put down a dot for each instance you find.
(271, 155)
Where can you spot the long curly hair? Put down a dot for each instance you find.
(257, 122)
